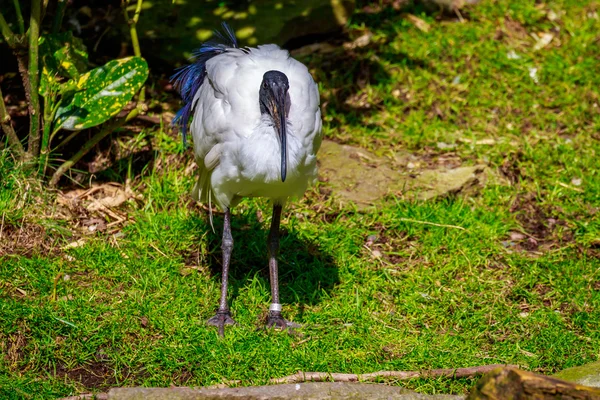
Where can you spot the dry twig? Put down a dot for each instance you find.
(469, 372)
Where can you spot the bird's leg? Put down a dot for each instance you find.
(223, 316)
(275, 318)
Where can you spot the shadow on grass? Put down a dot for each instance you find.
(305, 271)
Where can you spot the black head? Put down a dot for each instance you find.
(273, 88)
(277, 78)
(274, 101)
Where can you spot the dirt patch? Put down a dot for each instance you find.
(512, 32)
(535, 219)
(592, 250)
(95, 375)
(28, 239)
(393, 351)
(391, 245)
(511, 168)
(542, 227)
(96, 209)
(13, 349)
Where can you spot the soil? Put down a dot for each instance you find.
(543, 229)
(27, 239)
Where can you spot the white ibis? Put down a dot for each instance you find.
(256, 130)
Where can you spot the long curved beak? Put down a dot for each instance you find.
(280, 124)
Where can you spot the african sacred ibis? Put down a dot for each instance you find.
(256, 130)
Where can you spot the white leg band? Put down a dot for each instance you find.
(275, 307)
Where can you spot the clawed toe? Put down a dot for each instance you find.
(220, 320)
(277, 321)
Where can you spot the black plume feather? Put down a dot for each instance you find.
(188, 79)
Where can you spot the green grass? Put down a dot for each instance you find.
(133, 311)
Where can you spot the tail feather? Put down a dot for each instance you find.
(202, 192)
(188, 79)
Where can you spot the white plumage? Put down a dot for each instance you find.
(237, 148)
(256, 130)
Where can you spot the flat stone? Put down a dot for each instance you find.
(309, 391)
(359, 176)
(588, 374)
(436, 182)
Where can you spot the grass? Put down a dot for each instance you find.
(128, 308)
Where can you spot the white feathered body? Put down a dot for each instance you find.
(237, 149)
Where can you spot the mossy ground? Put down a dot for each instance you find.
(520, 284)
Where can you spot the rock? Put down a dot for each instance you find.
(309, 390)
(512, 383)
(169, 32)
(358, 176)
(435, 183)
(588, 374)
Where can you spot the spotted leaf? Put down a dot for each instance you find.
(102, 93)
(62, 56)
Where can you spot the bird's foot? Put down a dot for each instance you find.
(277, 321)
(221, 319)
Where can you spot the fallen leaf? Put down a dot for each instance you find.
(360, 41)
(542, 40)
(370, 240)
(512, 55)
(75, 244)
(110, 201)
(442, 145)
(516, 236)
(418, 22)
(533, 74)
(486, 141)
(552, 15)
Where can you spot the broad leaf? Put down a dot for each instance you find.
(102, 93)
(62, 56)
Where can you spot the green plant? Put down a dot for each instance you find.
(74, 98)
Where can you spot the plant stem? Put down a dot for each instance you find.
(22, 66)
(9, 131)
(9, 36)
(58, 16)
(13, 42)
(48, 117)
(47, 136)
(134, 37)
(51, 119)
(105, 131)
(20, 20)
(34, 78)
(44, 8)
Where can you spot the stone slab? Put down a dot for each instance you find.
(588, 374)
(307, 391)
(359, 176)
